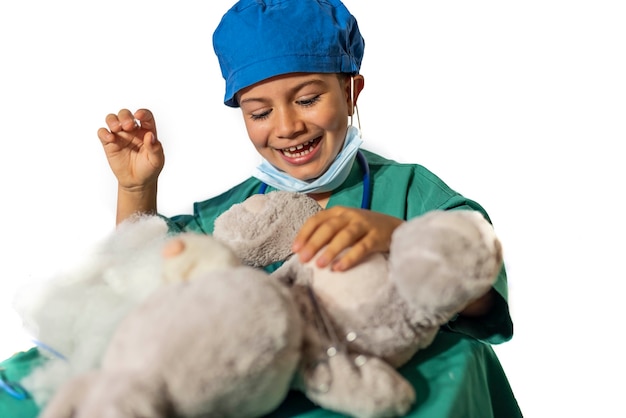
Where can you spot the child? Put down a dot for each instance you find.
(292, 67)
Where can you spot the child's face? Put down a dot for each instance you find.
(298, 121)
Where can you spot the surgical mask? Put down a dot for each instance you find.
(334, 176)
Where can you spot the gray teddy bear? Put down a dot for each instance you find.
(362, 324)
(225, 339)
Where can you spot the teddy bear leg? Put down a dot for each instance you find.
(63, 404)
(443, 260)
(358, 386)
(101, 394)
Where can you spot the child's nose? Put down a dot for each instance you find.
(289, 123)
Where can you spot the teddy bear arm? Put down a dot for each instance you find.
(443, 260)
(357, 385)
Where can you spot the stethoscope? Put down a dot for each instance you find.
(366, 200)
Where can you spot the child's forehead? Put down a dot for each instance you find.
(287, 84)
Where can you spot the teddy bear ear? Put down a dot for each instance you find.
(261, 229)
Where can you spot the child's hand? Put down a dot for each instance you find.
(132, 149)
(362, 232)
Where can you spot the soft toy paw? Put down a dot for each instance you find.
(443, 260)
(192, 255)
(341, 384)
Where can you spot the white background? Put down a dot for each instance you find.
(519, 105)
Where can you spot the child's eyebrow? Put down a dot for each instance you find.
(293, 90)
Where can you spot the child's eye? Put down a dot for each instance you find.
(260, 116)
(309, 102)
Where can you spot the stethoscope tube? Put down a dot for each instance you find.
(366, 200)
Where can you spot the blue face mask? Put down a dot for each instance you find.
(336, 174)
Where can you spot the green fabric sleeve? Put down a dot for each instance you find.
(205, 213)
(495, 327)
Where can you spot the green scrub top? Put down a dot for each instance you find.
(458, 375)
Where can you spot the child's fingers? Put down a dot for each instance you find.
(146, 118)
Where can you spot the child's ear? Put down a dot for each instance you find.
(354, 85)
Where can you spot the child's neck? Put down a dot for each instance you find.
(321, 198)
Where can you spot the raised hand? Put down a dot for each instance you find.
(132, 148)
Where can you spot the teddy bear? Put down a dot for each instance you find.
(362, 324)
(73, 316)
(219, 339)
(223, 338)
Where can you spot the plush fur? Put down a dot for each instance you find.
(75, 313)
(360, 325)
(211, 335)
(225, 341)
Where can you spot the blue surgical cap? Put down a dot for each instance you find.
(258, 39)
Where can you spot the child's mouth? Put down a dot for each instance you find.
(300, 150)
